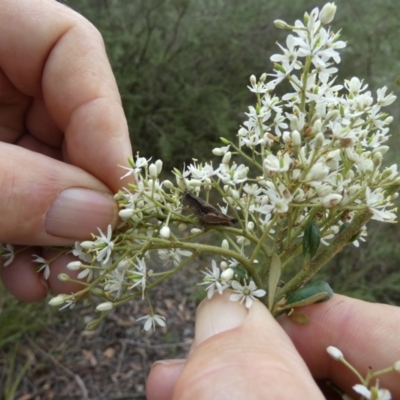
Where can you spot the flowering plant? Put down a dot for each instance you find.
(301, 183)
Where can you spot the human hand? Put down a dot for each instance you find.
(240, 354)
(62, 134)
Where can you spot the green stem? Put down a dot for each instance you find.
(336, 246)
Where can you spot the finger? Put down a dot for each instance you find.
(50, 203)
(239, 354)
(57, 55)
(21, 278)
(366, 333)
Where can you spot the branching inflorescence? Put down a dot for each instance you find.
(301, 182)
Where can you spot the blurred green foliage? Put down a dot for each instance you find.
(182, 66)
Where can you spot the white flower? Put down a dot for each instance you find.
(139, 276)
(87, 273)
(234, 174)
(105, 244)
(376, 204)
(150, 321)
(173, 256)
(7, 251)
(212, 279)
(275, 164)
(246, 293)
(374, 394)
(115, 282)
(45, 266)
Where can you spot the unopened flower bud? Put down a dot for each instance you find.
(74, 265)
(327, 13)
(153, 171)
(227, 275)
(335, 353)
(159, 164)
(396, 366)
(250, 225)
(193, 231)
(126, 213)
(319, 141)
(168, 184)
(64, 277)
(331, 200)
(382, 149)
(227, 158)
(225, 244)
(87, 245)
(296, 139)
(223, 265)
(57, 301)
(280, 24)
(388, 120)
(253, 80)
(263, 77)
(324, 190)
(377, 159)
(107, 306)
(165, 232)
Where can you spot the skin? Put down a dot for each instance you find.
(238, 354)
(62, 134)
(62, 127)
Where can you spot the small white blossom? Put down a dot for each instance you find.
(246, 293)
(7, 252)
(212, 279)
(150, 321)
(372, 394)
(45, 266)
(105, 244)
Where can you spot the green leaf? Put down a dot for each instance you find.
(398, 80)
(315, 292)
(311, 239)
(273, 278)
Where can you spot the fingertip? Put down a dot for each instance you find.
(21, 278)
(162, 379)
(59, 266)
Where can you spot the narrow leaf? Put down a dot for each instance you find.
(273, 279)
(311, 239)
(315, 292)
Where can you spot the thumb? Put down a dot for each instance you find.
(237, 354)
(51, 202)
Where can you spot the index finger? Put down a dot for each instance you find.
(57, 55)
(366, 333)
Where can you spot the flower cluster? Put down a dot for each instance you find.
(301, 183)
(365, 389)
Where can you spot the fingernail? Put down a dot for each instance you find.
(218, 315)
(77, 212)
(169, 363)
